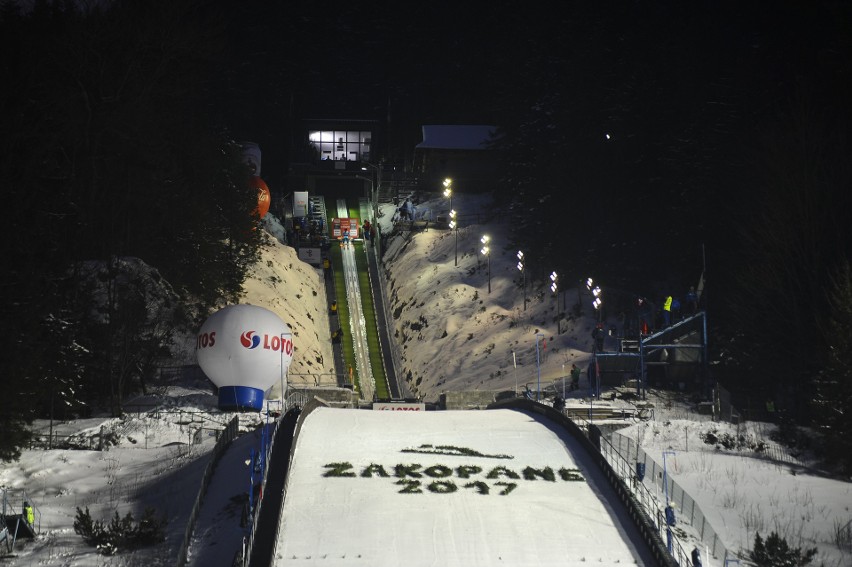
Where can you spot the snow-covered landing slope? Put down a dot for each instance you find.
(496, 487)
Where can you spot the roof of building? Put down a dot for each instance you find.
(456, 137)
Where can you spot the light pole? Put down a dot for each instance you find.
(669, 521)
(372, 193)
(665, 475)
(374, 189)
(487, 252)
(589, 282)
(538, 365)
(454, 226)
(598, 302)
(281, 364)
(521, 268)
(563, 380)
(515, 364)
(448, 190)
(554, 287)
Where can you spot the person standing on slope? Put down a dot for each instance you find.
(667, 311)
(29, 515)
(575, 377)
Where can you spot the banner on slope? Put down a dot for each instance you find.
(339, 225)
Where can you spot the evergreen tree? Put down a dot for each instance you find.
(833, 399)
(776, 552)
(111, 147)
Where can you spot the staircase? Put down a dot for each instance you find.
(676, 352)
(13, 526)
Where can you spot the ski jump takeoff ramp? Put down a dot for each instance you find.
(448, 488)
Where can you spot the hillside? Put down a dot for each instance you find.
(456, 336)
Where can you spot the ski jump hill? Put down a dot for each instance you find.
(505, 486)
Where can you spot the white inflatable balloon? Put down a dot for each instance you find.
(251, 155)
(244, 350)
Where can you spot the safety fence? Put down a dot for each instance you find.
(184, 416)
(229, 434)
(645, 523)
(723, 408)
(641, 494)
(102, 438)
(294, 399)
(85, 441)
(778, 454)
(627, 457)
(395, 352)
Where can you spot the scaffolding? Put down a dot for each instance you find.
(15, 525)
(676, 354)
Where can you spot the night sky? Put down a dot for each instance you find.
(489, 63)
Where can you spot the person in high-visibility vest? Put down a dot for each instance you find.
(29, 515)
(667, 311)
(333, 308)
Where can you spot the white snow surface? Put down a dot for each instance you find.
(154, 464)
(447, 520)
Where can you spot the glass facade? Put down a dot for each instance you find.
(345, 145)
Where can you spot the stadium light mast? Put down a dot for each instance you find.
(374, 187)
(598, 302)
(454, 226)
(538, 365)
(522, 269)
(554, 287)
(486, 251)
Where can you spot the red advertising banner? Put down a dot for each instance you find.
(339, 225)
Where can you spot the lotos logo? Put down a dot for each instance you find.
(249, 340)
(205, 340)
(270, 342)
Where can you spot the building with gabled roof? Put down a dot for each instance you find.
(461, 152)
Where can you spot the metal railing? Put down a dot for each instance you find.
(623, 454)
(395, 354)
(294, 399)
(8, 534)
(228, 435)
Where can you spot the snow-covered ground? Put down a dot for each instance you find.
(457, 336)
(742, 491)
(157, 461)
